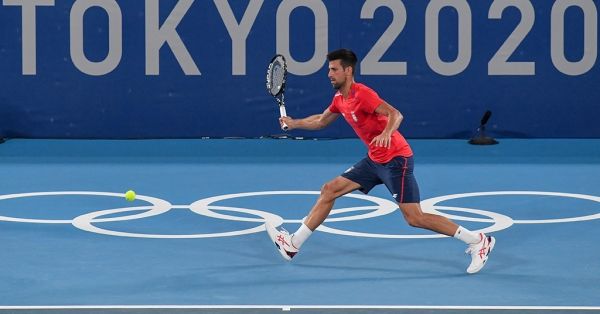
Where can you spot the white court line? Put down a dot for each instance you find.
(290, 307)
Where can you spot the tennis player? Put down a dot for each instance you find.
(389, 161)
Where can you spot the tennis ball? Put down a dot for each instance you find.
(130, 195)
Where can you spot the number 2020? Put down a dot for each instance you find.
(498, 64)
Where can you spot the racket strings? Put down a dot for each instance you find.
(277, 77)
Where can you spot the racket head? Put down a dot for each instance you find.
(276, 74)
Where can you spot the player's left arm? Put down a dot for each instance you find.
(394, 119)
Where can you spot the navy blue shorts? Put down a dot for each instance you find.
(397, 175)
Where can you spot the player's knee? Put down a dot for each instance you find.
(328, 191)
(417, 221)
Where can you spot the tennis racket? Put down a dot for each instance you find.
(276, 73)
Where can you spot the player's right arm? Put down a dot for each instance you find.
(314, 122)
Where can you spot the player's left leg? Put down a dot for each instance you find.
(330, 191)
(289, 244)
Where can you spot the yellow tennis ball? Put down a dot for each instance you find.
(130, 195)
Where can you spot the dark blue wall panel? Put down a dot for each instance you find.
(46, 92)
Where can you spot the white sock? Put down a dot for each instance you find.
(300, 236)
(468, 237)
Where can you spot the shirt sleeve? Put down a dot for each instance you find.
(369, 99)
(332, 107)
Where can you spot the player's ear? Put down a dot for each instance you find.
(349, 70)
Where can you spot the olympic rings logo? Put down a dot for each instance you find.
(205, 207)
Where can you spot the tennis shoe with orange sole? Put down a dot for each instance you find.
(480, 252)
(282, 240)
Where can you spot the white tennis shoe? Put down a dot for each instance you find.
(480, 252)
(282, 240)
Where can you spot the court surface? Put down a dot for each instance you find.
(193, 241)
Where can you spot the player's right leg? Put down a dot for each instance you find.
(479, 245)
(480, 252)
(399, 178)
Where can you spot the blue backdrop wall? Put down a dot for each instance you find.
(168, 68)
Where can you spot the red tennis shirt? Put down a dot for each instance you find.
(359, 112)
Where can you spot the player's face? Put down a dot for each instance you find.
(337, 74)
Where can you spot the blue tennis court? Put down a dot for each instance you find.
(193, 241)
(185, 102)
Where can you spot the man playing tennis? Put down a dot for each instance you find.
(389, 161)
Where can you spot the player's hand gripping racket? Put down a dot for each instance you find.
(276, 73)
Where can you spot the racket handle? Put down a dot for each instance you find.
(283, 113)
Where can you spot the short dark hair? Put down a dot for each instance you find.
(346, 57)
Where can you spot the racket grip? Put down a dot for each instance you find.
(283, 113)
